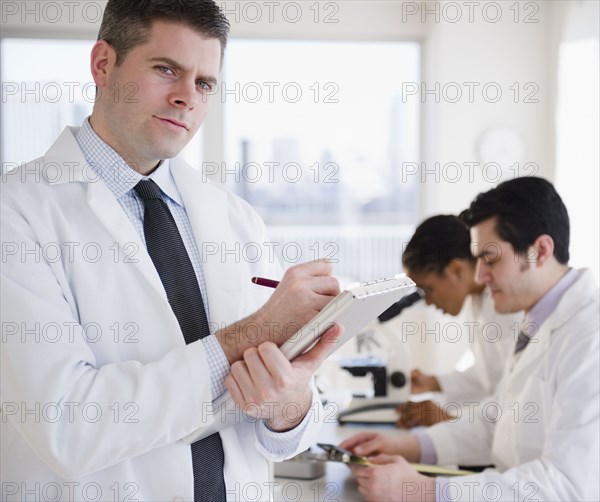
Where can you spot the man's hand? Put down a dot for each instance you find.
(425, 413)
(373, 443)
(420, 382)
(301, 294)
(391, 478)
(268, 386)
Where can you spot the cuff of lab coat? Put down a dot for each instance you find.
(443, 444)
(199, 380)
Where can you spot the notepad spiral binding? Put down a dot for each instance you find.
(380, 286)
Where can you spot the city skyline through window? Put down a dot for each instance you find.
(316, 133)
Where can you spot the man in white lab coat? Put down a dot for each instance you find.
(438, 258)
(541, 430)
(101, 394)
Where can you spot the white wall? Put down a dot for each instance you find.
(499, 54)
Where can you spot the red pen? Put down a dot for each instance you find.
(269, 283)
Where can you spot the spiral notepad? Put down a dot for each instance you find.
(353, 308)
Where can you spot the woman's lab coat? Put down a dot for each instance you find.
(541, 430)
(99, 389)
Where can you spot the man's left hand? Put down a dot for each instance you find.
(268, 386)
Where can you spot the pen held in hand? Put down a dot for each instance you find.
(261, 281)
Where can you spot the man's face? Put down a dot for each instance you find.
(155, 101)
(509, 275)
(444, 290)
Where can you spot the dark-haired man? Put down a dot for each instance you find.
(114, 351)
(438, 258)
(542, 431)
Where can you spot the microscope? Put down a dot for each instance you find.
(387, 361)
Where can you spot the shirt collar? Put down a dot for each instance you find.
(112, 169)
(163, 177)
(548, 303)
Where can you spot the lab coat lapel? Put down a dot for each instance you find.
(207, 209)
(566, 308)
(116, 222)
(65, 163)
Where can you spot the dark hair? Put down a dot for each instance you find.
(525, 208)
(127, 23)
(436, 242)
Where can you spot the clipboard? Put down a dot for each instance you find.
(353, 308)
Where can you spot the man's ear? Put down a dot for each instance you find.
(102, 61)
(542, 249)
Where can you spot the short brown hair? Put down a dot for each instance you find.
(127, 23)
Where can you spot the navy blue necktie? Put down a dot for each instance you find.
(177, 274)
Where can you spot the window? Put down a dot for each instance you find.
(577, 178)
(315, 137)
(46, 85)
(316, 132)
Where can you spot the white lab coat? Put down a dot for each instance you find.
(108, 413)
(545, 444)
(493, 338)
